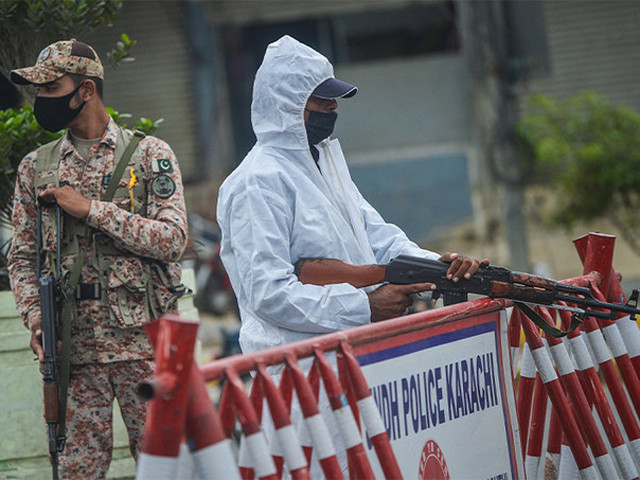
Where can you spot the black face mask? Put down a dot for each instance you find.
(320, 126)
(54, 113)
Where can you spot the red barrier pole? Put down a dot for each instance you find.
(555, 439)
(536, 430)
(613, 292)
(370, 415)
(559, 400)
(526, 385)
(313, 418)
(287, 437)
(619, 352)
(595, 393)
(579, 401)
(514, 330)
(345, 420)
(253, 435)
(211, 448)
(628, 328)
(173, 340)
(597, 254)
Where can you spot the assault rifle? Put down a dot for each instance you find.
(50, 312)
(492, 281)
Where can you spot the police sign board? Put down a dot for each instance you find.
(446, 398)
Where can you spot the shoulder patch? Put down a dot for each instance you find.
(163, 186)
(161, 165)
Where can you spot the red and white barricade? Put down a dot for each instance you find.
(429, 395)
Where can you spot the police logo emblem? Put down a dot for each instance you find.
(163, 186)
(432, 463)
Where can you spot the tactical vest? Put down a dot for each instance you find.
(135, 288)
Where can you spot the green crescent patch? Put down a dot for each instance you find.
(163, 186)
(161, 165)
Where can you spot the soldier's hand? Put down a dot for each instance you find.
(391, 301)
(462, 266)
(72, 202)
(36, 343)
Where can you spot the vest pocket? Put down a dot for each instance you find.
(128, 292)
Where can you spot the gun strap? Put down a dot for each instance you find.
(69, 305)
(119, 170)
(543, 325)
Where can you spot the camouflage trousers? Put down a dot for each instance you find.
(92, 389)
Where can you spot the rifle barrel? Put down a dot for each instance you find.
(592, 303)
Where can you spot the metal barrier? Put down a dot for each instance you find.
(338, 368)
(413, 397)
(569, 372)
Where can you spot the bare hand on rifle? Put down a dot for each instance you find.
(462, 266)
(391, 301)
(72, 202)
(36, 341)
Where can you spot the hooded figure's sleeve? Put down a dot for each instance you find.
(257, 231)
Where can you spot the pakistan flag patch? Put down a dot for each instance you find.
(163, 186)
(161, 165)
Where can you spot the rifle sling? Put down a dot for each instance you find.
(69, 303)
(543, 325)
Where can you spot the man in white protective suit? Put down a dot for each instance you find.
(292, 197)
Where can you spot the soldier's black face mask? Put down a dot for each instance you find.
(54, 113)
(320, 126)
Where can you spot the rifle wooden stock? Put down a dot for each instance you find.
(522, 294)
(50, 401)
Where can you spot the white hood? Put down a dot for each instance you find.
(289, 73)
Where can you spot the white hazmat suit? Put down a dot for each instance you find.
(278, 207)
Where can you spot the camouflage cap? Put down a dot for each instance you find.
(58, 59)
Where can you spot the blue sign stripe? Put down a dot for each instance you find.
(425, 343)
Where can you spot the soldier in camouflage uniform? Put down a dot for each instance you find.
(133, 244)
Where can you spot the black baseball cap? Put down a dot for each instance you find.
(333, 88)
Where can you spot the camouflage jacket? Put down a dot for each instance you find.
(130, 243)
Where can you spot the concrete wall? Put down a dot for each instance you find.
(405, 103)
(406, 139)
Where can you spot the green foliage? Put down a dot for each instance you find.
(26, 26)
(145, 125)
(59, 17)
(121, 52)
(588, 151)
